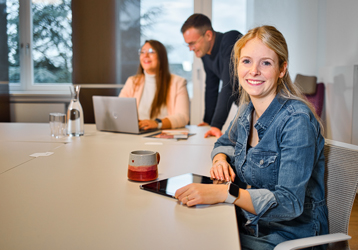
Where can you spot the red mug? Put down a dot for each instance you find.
(143, 165)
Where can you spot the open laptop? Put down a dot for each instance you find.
(117, 114)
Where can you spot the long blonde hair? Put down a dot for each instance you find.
(274, 40)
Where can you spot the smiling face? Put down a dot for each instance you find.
(201, 44)
(258, 71)
(148, 59)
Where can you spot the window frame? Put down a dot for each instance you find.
(26, 84)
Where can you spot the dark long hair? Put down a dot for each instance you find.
(162, 77)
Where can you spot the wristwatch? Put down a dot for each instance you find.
(232, 193)
(160, 124)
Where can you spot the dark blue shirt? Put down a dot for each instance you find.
(217, 67)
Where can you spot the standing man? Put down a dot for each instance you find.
(214, 49)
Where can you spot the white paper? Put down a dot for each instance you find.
(41, 154)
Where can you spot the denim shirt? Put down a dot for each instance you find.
(285, 169)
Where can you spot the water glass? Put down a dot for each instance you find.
(57, 124)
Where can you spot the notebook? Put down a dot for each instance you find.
(117, 114)
(170, 135)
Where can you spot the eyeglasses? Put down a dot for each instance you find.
(192, 44)
(150, 51)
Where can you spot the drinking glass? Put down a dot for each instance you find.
(57, 124)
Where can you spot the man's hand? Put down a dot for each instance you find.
(213, 132)
(203, 124)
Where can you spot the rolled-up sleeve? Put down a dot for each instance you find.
(226, 144)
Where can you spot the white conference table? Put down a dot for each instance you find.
(14, 153)
(39, 132)
(80, 197)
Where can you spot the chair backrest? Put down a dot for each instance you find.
(313, 91)
(89, 90)
(307, 84)
(342, 181)
(4, 102)
(317, 99)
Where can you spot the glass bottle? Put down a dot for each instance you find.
(75, 125)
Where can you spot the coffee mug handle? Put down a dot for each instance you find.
(158, 158)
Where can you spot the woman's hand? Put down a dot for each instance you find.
(147, 124)
(221, 169)
(195, 193)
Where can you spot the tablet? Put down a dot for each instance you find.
(169, 186)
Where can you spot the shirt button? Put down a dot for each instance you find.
(261, 162)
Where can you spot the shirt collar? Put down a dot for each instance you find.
(270, 113)
(268, 116)
(148, 75)
(215, 50)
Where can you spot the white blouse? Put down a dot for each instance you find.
(146, 100)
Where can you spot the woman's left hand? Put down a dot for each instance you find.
(147, 124)
(194, 194)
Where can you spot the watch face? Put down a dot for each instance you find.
(234, 190)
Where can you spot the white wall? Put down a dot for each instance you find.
(341, 32)
(297, 20)
(322, 37)
(339, 100)
(337, 58)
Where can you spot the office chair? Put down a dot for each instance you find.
(4, 102)
(86, 93)
(341, 178)
(317, 98)
(313, 91)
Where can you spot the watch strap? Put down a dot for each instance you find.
(159, 122)
(230, 198)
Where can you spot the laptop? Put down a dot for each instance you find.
(117, 114)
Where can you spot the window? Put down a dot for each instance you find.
(160, 20)
(51, 45)
(39, 44)
(235, 12)
(40, 37)
(165, 27)
(12, 9)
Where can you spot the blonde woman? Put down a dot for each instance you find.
(272, 151)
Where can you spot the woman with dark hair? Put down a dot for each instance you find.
(162, 98)
(272, 153)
